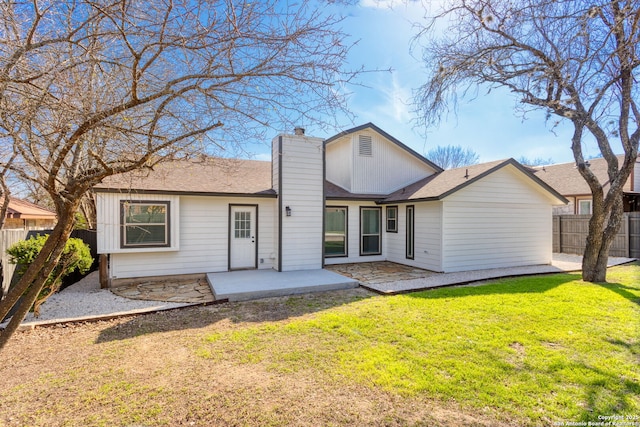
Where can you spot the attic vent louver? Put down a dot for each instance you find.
(365, 146)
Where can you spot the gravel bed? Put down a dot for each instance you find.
(85, 300)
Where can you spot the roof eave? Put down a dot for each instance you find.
(264, 194)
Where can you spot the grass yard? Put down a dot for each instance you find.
(529, 351)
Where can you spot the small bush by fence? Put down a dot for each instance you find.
(9, 237)
(570, 235)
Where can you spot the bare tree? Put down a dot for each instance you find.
(93, 88)
(452, 156)
(576, 60)
(538, 161)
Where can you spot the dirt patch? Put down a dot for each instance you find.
(146, 370)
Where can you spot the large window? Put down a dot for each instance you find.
(335, 231)
(370, 231)
(144, 224)
(392, 219)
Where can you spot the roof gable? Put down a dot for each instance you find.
(448, 182)
(388, 137)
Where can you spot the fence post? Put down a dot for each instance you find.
(103, 265)
(627, 232)
(560, 248)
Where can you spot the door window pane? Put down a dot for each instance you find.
(242, 225)
(370, 231)
(335, 231)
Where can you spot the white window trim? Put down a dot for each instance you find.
(579, 210)
(124, 224)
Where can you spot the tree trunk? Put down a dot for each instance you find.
(33, 280)
(596, 255)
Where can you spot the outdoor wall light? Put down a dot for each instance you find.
(288, 210)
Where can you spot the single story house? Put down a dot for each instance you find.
(566, 179)
(24, 215)
(359, 196)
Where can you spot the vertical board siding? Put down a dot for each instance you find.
(387, 169)
(108, 221)
(339, 160)
(204, 240)
(302, 190)
(499, 221)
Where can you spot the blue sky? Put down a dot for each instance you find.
(488, 123)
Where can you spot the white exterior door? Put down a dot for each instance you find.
(242, 237)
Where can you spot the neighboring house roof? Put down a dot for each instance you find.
(212, 176)
(566, 178)
(22, 209)
(387, 136)
(443, 184)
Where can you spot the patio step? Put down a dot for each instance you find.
(247, 285)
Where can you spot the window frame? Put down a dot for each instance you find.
(379, 234)
(393, 229)
(124, 224)
(346, 233)
(579, 210)
(410, 234)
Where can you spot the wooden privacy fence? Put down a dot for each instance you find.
(570, 235)
(9, 237)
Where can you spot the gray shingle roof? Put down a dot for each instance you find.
(215, 176)
(209, 176)
(566, 178)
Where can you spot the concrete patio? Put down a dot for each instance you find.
(253, 284)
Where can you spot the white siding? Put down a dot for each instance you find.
(428, 237)
(386, 170)
(204, 240)
(339, 162)
(302, 190)
(108, 221)
(503, 220)
(636, 177)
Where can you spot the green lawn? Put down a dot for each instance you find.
(537, 349)
(529, 351)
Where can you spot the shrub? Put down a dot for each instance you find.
(76, 256)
